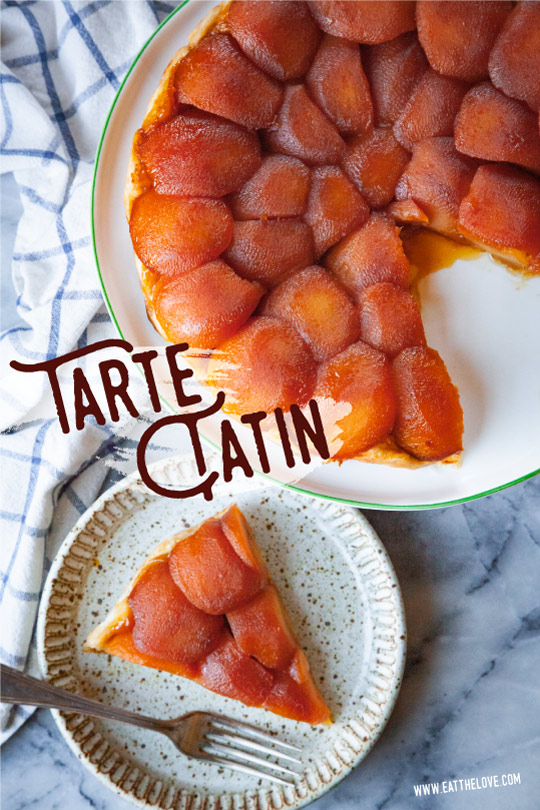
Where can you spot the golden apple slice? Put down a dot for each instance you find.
(318, 308)
(361, 21)
(218, 77)
(371, 254)
(429, 421)
(436, 179)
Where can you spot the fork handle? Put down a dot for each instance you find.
(20, 688)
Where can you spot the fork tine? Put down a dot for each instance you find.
(239, 725)
(255, 746)
(238, 766)
(247, 757)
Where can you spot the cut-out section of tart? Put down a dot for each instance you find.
(203, 606)
(282, 154)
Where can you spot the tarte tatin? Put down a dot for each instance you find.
(203, 606)
(281, 155)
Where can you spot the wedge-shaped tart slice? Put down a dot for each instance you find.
(203, 606)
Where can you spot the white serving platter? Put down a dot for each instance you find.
(483, 319)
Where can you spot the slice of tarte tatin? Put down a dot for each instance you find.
(203, 606)
(289, 154)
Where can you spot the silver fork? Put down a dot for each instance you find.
(203, 735)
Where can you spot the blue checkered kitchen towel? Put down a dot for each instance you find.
(62, 63)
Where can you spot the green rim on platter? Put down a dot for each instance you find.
(301, 490)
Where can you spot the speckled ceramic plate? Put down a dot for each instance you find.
(343, 597)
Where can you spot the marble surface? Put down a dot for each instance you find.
(469, 705)
(470, 702)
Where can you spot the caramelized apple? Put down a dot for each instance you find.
(407, 211)
(431, 110)
(393, 69)
(337, 145)
(429, 421)
(362, 21)
(239, 535)
(167, 624)
(436, 179)
(218, 77)
(230, 672)
(261, 630)
(514, 62)
(492, 126)
(338, 84)
(359, 377)
(205, 306)
(197, 154)
(374, 163)
(303, 131)
(174, 234)
(335, 208)
(322, 312)
(268, 250)
(210, 573)
(266, 365)
(299, 702)
(281, 37)
(278, 189)
(390, 319)
(299, 667)
(372, 254)
(457, 37)
(502, 211)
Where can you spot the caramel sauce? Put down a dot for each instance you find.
(428, 252)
